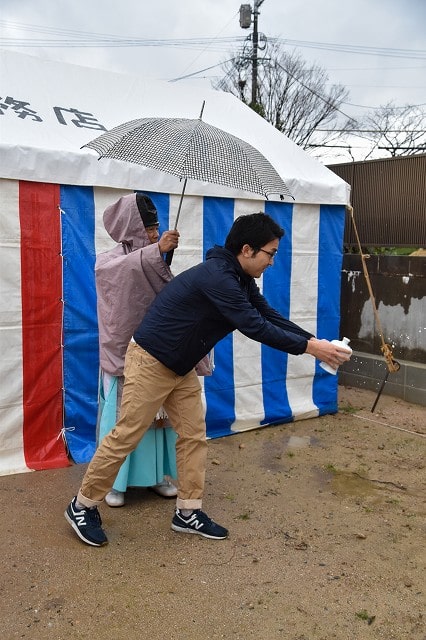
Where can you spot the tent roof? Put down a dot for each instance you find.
(48, 110)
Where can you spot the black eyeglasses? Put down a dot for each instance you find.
(271, 254)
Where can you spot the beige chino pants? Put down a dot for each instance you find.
(148, 385)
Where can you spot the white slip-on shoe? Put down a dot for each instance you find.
(115, 498)
(166, 489)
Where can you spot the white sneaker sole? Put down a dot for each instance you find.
(179, 529)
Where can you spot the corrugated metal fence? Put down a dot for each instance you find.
(389, 201)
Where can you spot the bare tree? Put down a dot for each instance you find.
(400, 131)
(292, 96)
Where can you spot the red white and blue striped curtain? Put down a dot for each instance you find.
(50, 235)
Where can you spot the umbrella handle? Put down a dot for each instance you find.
(169, 257)
(169, 254)
(180, 204)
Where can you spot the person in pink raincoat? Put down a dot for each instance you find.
(128, 278)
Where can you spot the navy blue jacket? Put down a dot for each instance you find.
(202, 305)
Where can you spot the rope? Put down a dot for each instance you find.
(390, 426)
(385, 348)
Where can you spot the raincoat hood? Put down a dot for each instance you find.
(123, 222)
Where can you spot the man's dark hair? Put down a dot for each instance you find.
(255, 229)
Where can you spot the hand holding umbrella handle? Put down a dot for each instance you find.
(168, 243)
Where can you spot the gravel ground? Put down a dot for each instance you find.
(327, 541)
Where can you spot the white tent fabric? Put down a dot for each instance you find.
(56, 108)
(52, 195)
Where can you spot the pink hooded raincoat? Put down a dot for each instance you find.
(128, 278)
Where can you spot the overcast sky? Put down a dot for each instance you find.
(391, 29)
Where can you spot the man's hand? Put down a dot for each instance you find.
(169, 240)
(327, 352)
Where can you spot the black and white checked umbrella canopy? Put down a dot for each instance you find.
(194, 150)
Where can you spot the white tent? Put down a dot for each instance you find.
(52, 195)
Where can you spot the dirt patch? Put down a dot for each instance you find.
(327, 541)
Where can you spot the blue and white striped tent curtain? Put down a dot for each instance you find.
(252, 385)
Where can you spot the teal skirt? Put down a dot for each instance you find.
(155, 455)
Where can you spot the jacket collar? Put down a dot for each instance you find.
(225, 254)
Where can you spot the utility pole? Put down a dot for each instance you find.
(257, 4)
(245, 23)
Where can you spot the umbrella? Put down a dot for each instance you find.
(191, 150)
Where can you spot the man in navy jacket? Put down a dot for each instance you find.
(190, 315)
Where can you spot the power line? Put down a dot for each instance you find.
(69, 38)
(364, 106)
(315, 93)
(371, 130)
(374, 69)
(352, 48)
(73, 38)
(190, 75)
(205, 49)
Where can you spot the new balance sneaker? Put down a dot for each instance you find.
(86, 523)
(198, 522)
